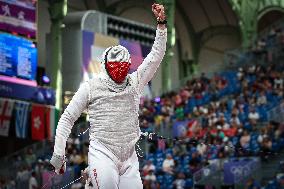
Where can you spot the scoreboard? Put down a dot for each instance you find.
(18, 57)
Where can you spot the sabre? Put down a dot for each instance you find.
(151, 135)
(71, 182)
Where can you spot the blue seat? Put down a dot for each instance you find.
(160, 155)
(281, 141)
(188, 183)
(235, 140)
(169, 151)
(160, 179)
(275, 146)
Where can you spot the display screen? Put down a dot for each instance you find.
(18, 16)
(18, 57)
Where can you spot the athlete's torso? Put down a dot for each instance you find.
(114, 116)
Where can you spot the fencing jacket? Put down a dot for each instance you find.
(113, 110)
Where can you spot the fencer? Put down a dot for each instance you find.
(112, 100)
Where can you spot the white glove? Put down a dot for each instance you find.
(59, 163)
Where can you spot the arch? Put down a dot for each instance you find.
(119, 7)
(134, 12)
(268, 17)
(210, 32)
(268, 9)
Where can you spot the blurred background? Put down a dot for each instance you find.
(217, 98)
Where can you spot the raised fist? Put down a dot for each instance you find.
(159, 12)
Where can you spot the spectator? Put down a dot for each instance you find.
(179, 183)
(151, 177)
(150, 181)
(235, 120)
(33, 184)
(39, 168)
(278, 83)
(204, 79)
(245, 139)
(240, 74)
(30, 157)
(148, 167)
(253, 116)
(252, 184)
(168, 164)
(261, 100)
(75, 157)
(22, 177)
(266, 145)
(201, 148)
(194, 163)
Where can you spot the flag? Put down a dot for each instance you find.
(6, 109)
(38, 122)
(22, 117)
(51, 121)
(179, 128)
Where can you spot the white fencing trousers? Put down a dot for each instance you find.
(107, 172)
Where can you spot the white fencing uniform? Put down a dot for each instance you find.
(114, 125)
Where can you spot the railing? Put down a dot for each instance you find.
(38, 148)
(250, 170)
(203, 176)
(276, 113)
(213, 174)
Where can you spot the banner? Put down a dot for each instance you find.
(22, 117)
(6, 109)
(238, 171)
(180, 128)
(18, 16)
(38, 122)
(25, 92)
(52, 116)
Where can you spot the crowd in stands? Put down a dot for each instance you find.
(222, 114)
(229, 123)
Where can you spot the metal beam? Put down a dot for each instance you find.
(194, 38)
(86, 4)
(195, 45)
(167, 61)
(102, 5)
(223, 12)
(205, 12)
(207, 33)
(214, 50)
(248, 12)
(127, 7)
(57, 11)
